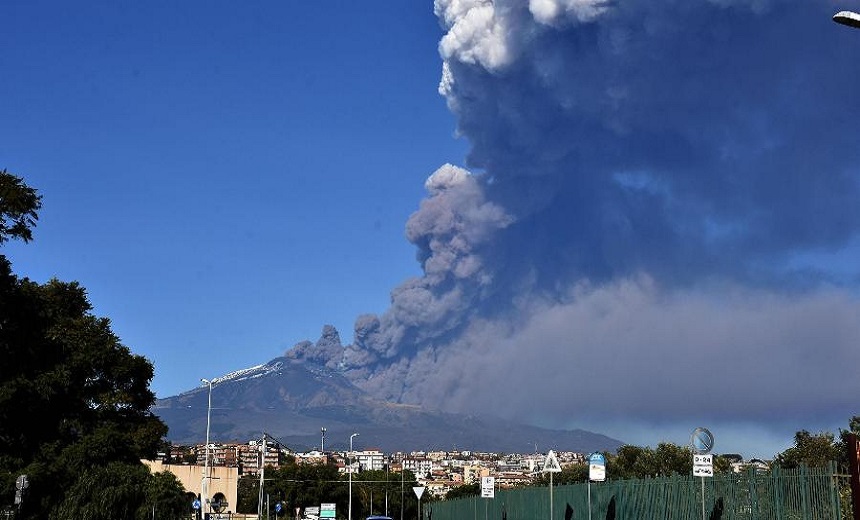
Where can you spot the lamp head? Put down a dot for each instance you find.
(849, 18)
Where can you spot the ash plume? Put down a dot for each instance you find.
(659, 191)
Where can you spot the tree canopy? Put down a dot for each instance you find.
(19, 206)
(73, 398)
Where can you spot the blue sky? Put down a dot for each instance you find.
(224, 180)
(649, 223)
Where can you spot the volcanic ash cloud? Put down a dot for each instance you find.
(654, 184)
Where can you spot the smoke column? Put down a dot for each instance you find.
(657, 223)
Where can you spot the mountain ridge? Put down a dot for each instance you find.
(291, 399)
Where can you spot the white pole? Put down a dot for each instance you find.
(589, 499)
(204, 483)
(550, 495)
(349, 468)
(262, 475)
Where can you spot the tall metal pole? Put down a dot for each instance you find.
(550, 495)
(262, 475)
(204, 483)
(349, 468)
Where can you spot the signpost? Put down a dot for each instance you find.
(21, 485)
(488, 490)
(418, 490)
(702, 442)
(551, 465)
(488, 487)
(596, 473)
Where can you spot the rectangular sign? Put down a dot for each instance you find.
(703, 465)
(703, 459)
(703, 471)
(488, 487)
(328, 510)
(596, 467)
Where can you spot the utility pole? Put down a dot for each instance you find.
(262, 474)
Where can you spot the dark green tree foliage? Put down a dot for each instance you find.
(303, 485)
(637, 462)
(466, 490)
(72, 397)
(569, 474)
(811, 450)
(19, 206)
(121, 490)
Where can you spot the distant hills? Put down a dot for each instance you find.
(291, 399)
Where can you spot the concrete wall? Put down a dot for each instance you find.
(223, 480)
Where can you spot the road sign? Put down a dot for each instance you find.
(703, 465)
(551, 465)
(703, 471)
(596, 467)
(195, 504)
(328, 510)
(419, 490)
(703, 460)
(702, 440)
(488, 487)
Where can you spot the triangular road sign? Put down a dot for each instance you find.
(550, 465)
(419, 490)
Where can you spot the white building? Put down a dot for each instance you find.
(370, 460)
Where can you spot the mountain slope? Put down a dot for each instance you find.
(291, 400)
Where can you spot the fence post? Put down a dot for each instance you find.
(853, 448)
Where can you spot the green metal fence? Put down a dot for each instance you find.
(801, 494)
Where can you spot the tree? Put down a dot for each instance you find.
(121, 490)
(812, 450)
(19, 206)
(668, 459)
(569, 474)
(72, 397)
(466, 490)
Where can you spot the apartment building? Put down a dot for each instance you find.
(249, 456)
(372, 459)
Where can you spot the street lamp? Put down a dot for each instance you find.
(849, 18)
(204, 483)
(350, 474)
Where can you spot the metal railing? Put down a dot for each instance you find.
(797, 494)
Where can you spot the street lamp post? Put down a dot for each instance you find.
(204, 483)
(349, 468)
(849, 18)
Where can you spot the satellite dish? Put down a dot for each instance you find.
(849, 18)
